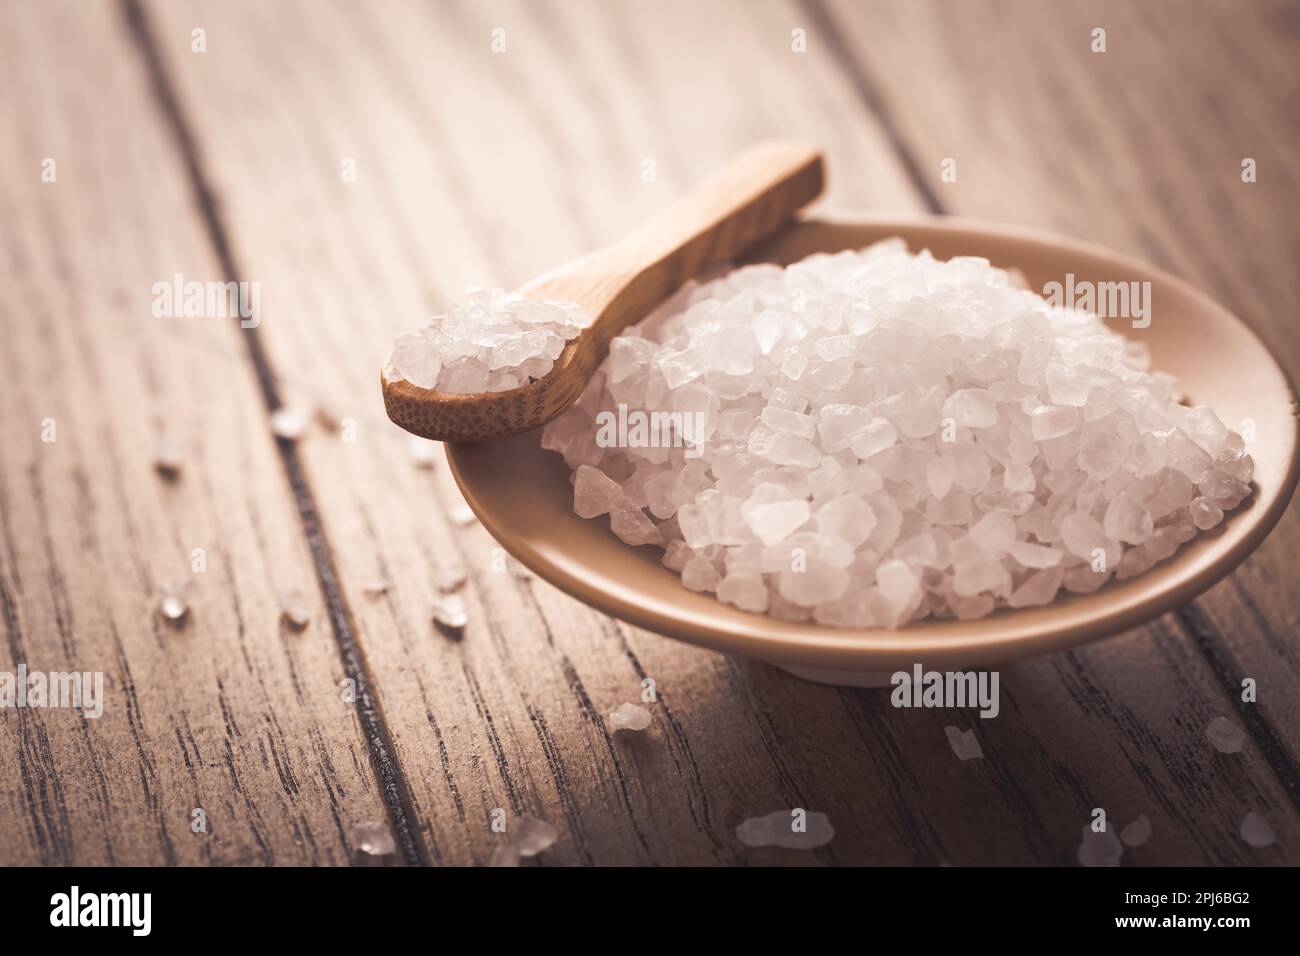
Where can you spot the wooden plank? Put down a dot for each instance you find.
(230, 713)
(1139, 148)
(485, 167)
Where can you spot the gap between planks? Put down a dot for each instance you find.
(394, 788)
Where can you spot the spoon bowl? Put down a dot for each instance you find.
(741, 203)
(523, 495)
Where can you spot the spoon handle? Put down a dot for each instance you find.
(744, 201)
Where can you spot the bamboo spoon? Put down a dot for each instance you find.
(745, 201)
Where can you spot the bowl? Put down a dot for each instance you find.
(523, 496)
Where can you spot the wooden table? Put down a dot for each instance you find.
(364, 163)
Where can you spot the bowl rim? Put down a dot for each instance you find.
(1005, 634)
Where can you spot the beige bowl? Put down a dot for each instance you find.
(523, 496)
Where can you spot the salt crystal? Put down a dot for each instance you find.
(631, 526)
(1225, 736)
(699, 574)
(1136, 833)
(490, 341)
(777, 520)
(168, 460)
(376, 587)
(1034, 555)
(1082, 535)
(994, 533)
(373, 844)
(462, 515)
(449, 614)
(1052, 421)
(1099, 849)
(783, 420)
(1127, 520)
(878, 435)
(884, 437)
(940, 473)
(900, 590)
(531, 836)
(791, 830)
(289, 423)
(1038, 588)
(629, 717)
(746, 591)
(451, 579)
(172, 606)
(1257, 831)
(818, 583)
(973, 407)
(848, 518)
(1205, 513)
(964, 744)
(296, 610)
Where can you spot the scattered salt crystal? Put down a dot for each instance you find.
(1100, 849)
(373, 844)
(964, 744)
(462, 515)
(880, 436)
(1257, 831)
(172, 605)
(449, 614)
(791, 830)
(629, 717)
(1225, 736)
(290, 422)
(451, 579)
(1136, 833)
(168, 460)
(376, 587)
(531, 836)
(295, 609)
(491, 341)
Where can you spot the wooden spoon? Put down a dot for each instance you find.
(743, 202)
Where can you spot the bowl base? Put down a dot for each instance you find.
(839, 677)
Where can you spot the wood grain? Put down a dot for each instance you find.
(232, 713)
(539, 160)
(482, 167)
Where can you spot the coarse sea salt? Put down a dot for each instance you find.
(491, 341)
(871, 437)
